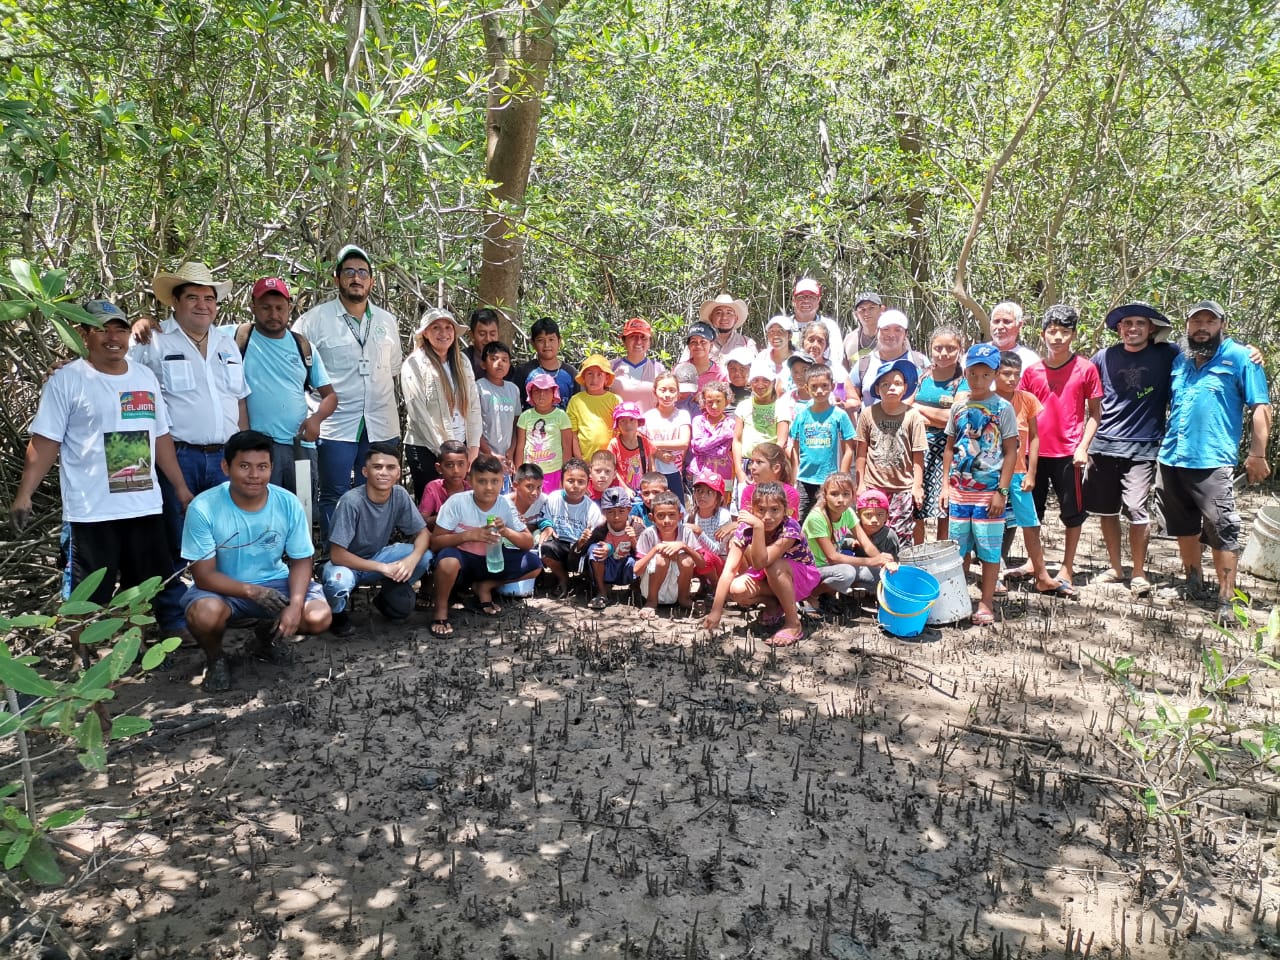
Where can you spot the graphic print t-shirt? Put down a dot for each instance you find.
(107, 427)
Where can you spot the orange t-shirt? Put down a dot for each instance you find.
(1026, 407)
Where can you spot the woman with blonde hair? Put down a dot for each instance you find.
(440, 397)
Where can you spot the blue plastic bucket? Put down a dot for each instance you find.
(906, 596)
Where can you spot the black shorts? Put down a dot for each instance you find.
(132, 550)
(1116, 484)
(564, 554)
(1061, 474)
(1196, 502)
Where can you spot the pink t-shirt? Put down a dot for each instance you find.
(1064, 391)
(662, 429)
(434, 496)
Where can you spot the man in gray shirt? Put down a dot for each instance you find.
(360, 547)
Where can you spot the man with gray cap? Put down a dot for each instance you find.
(360, 346)
(1214, 381)
(1122, 455)
(862, 340)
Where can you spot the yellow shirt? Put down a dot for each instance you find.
(592, 420)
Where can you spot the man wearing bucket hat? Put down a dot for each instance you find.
(1135, 376)
(1214, 381)
(726, 316)
(360, 346)
(201, 375)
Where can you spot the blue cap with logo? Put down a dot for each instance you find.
(987, 354)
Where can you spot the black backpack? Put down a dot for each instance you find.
(245, 330)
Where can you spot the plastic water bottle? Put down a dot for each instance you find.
(493, 559)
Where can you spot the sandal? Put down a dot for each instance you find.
(1018, 573)
(982, 618)
(1061, 589)
(489, 609)
(423, 604)
(648, 613)
(597, 602)
(1110, 576)
(1140, 586)
(786, 637)
(441, 628)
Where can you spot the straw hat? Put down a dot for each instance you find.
(164, 282)
(724, 300)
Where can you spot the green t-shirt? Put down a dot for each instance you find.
(817, 524)
(542, 438)
(759, 424)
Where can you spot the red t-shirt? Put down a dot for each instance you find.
(1064, 391)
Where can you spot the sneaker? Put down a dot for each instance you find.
(341, 625)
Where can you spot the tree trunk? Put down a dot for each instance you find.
(518, 67)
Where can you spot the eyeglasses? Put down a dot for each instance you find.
(350, 273)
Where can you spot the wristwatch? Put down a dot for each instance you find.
(1003, 491)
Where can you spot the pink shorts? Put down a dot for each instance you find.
(551, 481)
(804, 577)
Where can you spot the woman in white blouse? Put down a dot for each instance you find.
(440, 397)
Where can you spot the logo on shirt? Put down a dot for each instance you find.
(137, 405)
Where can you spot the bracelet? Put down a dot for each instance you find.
(1255, 456)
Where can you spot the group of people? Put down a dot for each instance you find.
(788, 476)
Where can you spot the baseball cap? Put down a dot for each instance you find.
(349, 251)
(709, 478)
(1060, 315)
(894, 318)
(868, 297)
(1211, 305)
(807, 285)
(637, 325)
(743, 355)
(615, 497)
(106, 311)
(987, 354)
(781, 320)
(624, 410)
(700, 329)
(873, 497)
(799, 357)
(265, 285)
(686, 375)
(762, 369)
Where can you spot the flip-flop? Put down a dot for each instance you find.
(1063, 589)
(441, 628)
(648, 613)
(1018, 573)
(786, 637)
(1001, 590)
(1108, 576)
(982, 618)
(771, 620)
(1140, 586)
(489, 609)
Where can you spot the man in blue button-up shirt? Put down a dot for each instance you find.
(1213, 382)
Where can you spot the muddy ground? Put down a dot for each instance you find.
(555, 783)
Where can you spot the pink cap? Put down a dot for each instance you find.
(271, 285)
(873, 498)
(624, 410)
(708, 478)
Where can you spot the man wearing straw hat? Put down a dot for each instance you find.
(201, 376)
(360, 346)
(726, 316)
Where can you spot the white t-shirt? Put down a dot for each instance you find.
(107, 428)
(460, 514)
(661, 429)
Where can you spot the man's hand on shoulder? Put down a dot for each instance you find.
(143, 329)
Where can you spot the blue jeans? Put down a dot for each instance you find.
(340, 581)
(284, 473)
(201, 471)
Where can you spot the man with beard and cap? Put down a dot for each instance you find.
(1213, 382)
(1122, 456)
(360, 346)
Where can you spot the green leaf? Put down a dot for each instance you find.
(26, 277)
(89, 735)
(9, 789)
(86, 587)
(1199, 714)
(69, 337)
(78, 608)
(41, 863)
(63, 818)
(17, 851)
(14, 310)
(53, 283)
(100, 630)
(25, 680)
(122, 727)
(1207, 761)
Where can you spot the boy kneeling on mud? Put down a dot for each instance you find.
(467, 524)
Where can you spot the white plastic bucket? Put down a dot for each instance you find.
(516, 588)
(942, 559)
(1261, 555)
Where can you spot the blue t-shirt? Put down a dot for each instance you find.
(980, 428)
(248, 547)
(273, 369)
(1207, 410)
(818, 436)
(1135, 395)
